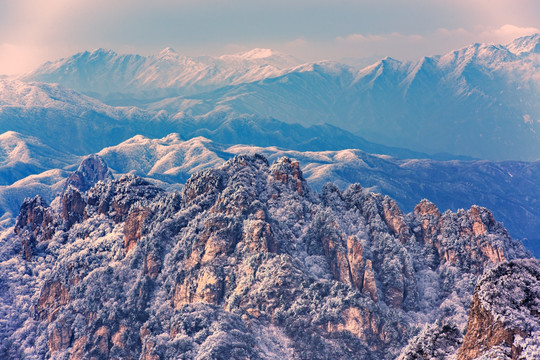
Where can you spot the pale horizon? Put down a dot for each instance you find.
(34, 32)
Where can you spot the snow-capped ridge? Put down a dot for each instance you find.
(525, 45)
(256, 53)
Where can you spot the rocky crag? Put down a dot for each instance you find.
(247, 262)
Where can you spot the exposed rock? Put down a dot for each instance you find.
(73, 206)
(35, 223)
(53, 296)
(505, 312)
(394, 219)
(91, 170)
(288, 173)
(369, 286)
(133, 227)
(115, 198)
(247, 262)
(59, 337)
(101, 343)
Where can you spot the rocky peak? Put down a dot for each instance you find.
(72, 206)
(91, 170)
(504, 318)
(288, 172)
(426, 208)
(248, 260)
(35, 224)
(115, 198)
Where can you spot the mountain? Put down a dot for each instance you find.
(66, 120)
(505, 303)
(247, 261)
(21, 156)
(509, 188)
(502, 324)
(118, 78)
(71, 122)
(480, 101)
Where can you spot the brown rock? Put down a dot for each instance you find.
(288, 172)
(393, 216)
(73, 207)
(257, 237)
(101, 342)
(152, 266)
(35, 223)
(52, 297)
(429, 217)
(356, 262)
(483, 333)
(148, 351)
(91, 170)
(361, 324)
(370, 287)
(60, 337)
(78, 349)
(133, 227)
(426, 207)
(205, 286)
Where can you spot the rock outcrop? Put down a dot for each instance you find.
(91, 170)
(246, 262)
(35, 224)
(504, 318)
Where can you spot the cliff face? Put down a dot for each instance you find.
(504, 318)
(246, 262)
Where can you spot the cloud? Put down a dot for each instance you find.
(19, 59)
(374, 38)
(507, 33)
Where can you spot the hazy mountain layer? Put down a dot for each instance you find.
(120, 79)
(479, 101)
(68, 121)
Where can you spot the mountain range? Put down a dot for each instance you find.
(479, 101)
(509, 188)
(248, 262)
(252, 206)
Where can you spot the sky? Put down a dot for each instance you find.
(35, 31)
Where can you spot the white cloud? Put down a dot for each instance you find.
(507, 33)
(374, 38)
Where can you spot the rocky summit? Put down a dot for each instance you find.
(248, 262)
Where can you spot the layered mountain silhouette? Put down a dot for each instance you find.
(479, 101)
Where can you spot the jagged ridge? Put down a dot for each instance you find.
(246, 262)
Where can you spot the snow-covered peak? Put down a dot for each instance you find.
(101, 52)
(168, 53)
(525, 44)
(256, 53)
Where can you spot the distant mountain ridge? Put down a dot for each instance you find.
(72, 122)
(480, 101)
(112, 76)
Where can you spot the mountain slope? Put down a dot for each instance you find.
(21, 156)
(113, 77)
(479, 101)
(246, 262)
(510, 189)
(70, 122)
